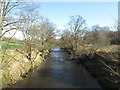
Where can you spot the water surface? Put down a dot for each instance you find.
(59, 72)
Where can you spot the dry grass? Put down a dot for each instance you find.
(15, 65)
(107, 62)
(111, 48)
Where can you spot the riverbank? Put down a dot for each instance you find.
(102, 65)
(105, 76)
(59, 72)
(16, 66)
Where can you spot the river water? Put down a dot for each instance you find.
(59, 72)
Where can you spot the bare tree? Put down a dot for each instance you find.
(99, 36)
(38, 32)
(65, 40)
(76, 27)
(6, 19)
(29, 19)
(45, 34)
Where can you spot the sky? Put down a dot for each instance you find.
(101, 13)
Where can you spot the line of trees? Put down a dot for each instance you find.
(38, 38)
(77, 34)
(38, 32)
(93, 43)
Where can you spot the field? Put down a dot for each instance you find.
(11, 45)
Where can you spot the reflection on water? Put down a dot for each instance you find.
(55, 49)
(59, 72)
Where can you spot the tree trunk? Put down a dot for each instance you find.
(29, 53)
(1, 73)
(1, 18)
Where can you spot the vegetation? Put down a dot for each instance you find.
(11, 45)
(18, 57)
(16, 66)
(96, 47)
(104, 65)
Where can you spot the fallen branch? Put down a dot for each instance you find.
(110, 68)
(108, 58)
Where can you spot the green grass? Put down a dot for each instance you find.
(11, 45)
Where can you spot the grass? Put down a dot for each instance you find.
(110, 48)
(11, 45)
(105, 77)
(16, 68)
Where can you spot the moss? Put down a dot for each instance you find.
(46, 52)
(37, 61)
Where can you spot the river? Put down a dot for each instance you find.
(59, 71)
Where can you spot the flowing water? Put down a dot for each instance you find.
(59, 72)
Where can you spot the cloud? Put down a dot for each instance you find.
(16, 34)
(61, 28)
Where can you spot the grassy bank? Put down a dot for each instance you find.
(102, 64)
(11, 45)
(15, 66)
(105, 76)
